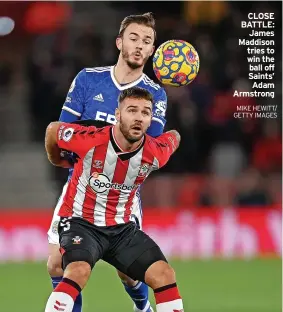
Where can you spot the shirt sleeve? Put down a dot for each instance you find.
(66, 116)
(165, 146)
(76, 138)
(158, 114)
(75, 99)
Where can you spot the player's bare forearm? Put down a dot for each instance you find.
(52, 149)
(176, 143)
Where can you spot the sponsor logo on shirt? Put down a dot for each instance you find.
(100, 183)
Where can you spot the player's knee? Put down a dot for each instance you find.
(78, 272)
(79, 268)
(160, 274)
(126, 279)
(54, 266)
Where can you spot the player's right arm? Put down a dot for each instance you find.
(66, 136)
(165, 145)
(75, 100)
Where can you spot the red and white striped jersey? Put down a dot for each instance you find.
(105, 180)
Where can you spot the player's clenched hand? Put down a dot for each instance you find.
(72, 158)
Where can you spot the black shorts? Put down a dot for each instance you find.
(119, 245)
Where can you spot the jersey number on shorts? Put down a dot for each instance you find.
(65, 224)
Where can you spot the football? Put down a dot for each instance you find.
(176, 63)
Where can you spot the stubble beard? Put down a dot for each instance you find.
(126, 57)
(126, 133)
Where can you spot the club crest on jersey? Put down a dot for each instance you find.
(77, 240)
(144, 169)
(97, 164)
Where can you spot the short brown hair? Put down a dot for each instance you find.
(135, 93)
(145, 19)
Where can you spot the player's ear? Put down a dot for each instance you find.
(119, 43)
(117, 114)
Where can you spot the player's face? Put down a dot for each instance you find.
(134, 117)
(136, 45)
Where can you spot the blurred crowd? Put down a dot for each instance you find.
(222, 160)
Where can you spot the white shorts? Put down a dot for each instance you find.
(53, 236)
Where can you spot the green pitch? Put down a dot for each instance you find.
(206, 286)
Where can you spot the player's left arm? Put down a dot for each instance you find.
(66, 136)
(158, 114)
(166, 145)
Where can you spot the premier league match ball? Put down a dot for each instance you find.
(176, 63)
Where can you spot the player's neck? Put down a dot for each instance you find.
(123, 144)
(124, 74)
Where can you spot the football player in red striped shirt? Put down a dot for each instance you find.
(95, 212)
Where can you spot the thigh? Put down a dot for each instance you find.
(54, 262)
(54, 252)
(133, 243)
(79, 241)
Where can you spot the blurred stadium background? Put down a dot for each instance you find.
(215, 209)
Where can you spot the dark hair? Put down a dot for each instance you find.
(145, 19)
(135, 93)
